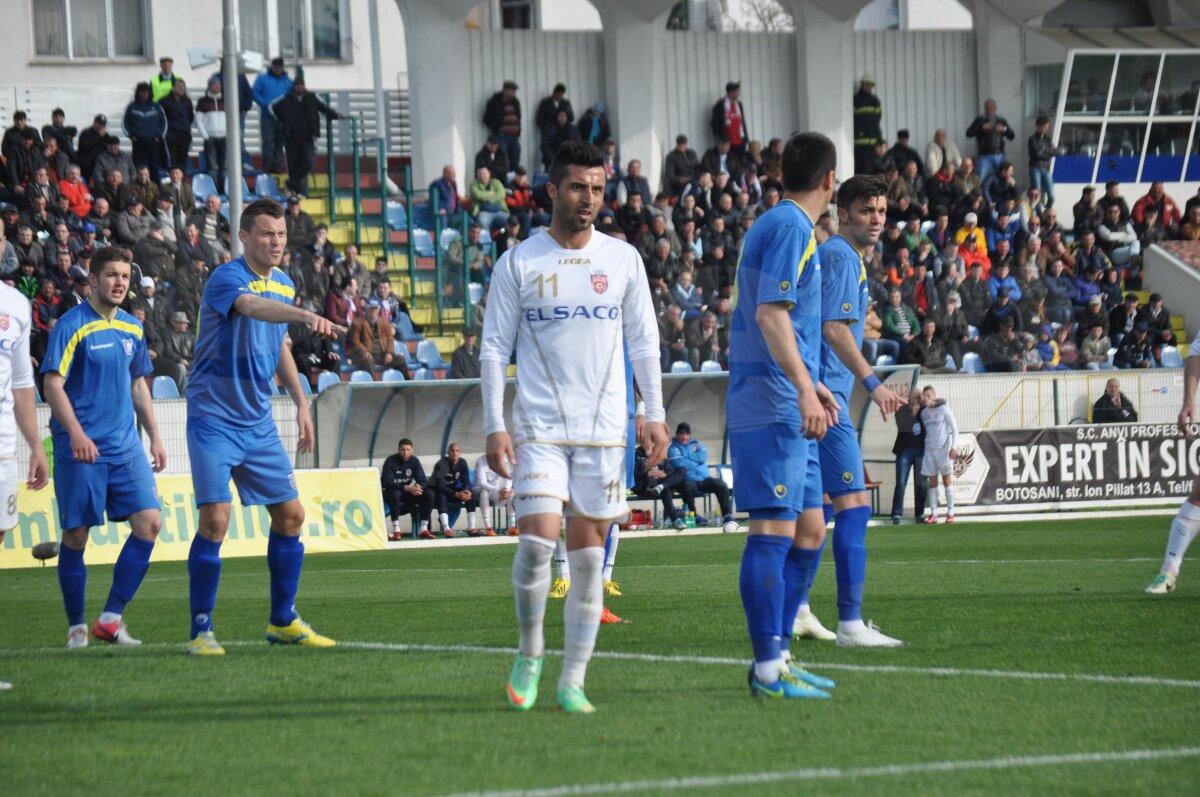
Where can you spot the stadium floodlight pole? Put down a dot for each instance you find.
(381, 120)
(233, 123)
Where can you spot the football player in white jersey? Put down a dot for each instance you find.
(492, 488)
(17, 410)
(1186, 525)
(566, 300)
(941, 435)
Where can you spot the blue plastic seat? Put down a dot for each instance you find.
(422, 216)
(885, 361)
(972, 363)
(405, 326)
(710, 366)
(266, 187)
(361, 376)
(392, 375)
(681, 367)
(164, 387)
(423, 375)
(397, 216)
(429, 356)
(327, 379)
(246, 192)
(423, 243)
(1171, 358)
(203, 186)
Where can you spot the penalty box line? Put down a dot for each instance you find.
(654, 658)
(842, 773)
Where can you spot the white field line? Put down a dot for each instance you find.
(841, 773)
(721, 661)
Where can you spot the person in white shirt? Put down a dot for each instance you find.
(1186, 525)
(492, 488)
(566, 300)
(941, 435)
(17, 410)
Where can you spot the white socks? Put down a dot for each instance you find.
(949, 501)
(471, 520)
(531, 586)
(485, 507)
(560, 560)
(1183, 530)
(610, 550)
(932, 500)
(444, 519)
(581, 614)
(851, 626)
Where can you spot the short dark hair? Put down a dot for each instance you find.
(574, 153)
(404, 441)
(807, 158)
(109, 254)
(259, 207)
(1042, 120)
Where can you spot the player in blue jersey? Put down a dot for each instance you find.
(777, 411)
(240, 337)
(94, 364)
(862, 210)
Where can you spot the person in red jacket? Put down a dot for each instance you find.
(1168, 212)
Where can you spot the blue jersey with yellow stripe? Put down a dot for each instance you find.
(233, 375)
(98, 359)
(778, 263)
(844, 297)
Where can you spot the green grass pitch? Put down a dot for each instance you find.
(979, 605)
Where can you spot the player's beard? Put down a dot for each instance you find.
(570, 218)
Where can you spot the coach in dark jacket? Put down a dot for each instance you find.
(909, 448)
(1114, 406)
(299, 114)
(405, 489)
(452, 485)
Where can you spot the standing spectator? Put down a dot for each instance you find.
(909, 450)
(181, 115)
(1041, 151)
(593, 125)
(405, 491)
(146, 125)
(502, 116)
(451, 483)
(868, 131)
(464, 362)
(298, 115)
(941, 150)
(546, 118)
(682, 164)
(91, 144)
(245, 103)
(371, 341)
(164, 82)
(1114, 406)
(60, 132)
(210, 121)
(23, 163)
(269, 87)
(14, 135)
(729, 119)
(1136, 350)
(691, 456)
(990, 131)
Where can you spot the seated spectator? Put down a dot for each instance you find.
(301, 229)
(1117, 239)
(633, 182)
(492, 489)
(633, 217)
(1111, 289)
(76, 191)
(78, 292)
(1004, 224)
(27, 279)
(469, 256)
(672, 337)
(657, 483)
(1112, 198)
(919, 293)
(914, 187)
(680, 166)
(927, 351)
(1092, 313)
(1094, 351)
(1122, 318)
(949, 258)
(900, 269)
(1031, 360)
(1164, 208)
(1001, 279)
(967, 180)
(972, 253)
(953, 330)
(213, 227)
(464, 362)
(942, 191)
(1158, 320)
(900, 323)
(452, 487)
(703, 339)
(492, 158)
(874, 344)
(657, 231)
(691, 456)
(157, 315)
(902, 154)
(1002, 308)
(448, 202)
(45, 306)
(1001, 185)
(1190, 229)
(371, 341)
(1002, 350)
(405, 491)
(1030, 207)
(1087, 212)
(1087, 285)
(312, 353)
(1068, 351)
(176, 355)
(720, 159)
(339, 304)
(60, 275)
(691, 300)
(1114, 406)
(487, 198)
(940, 151)
(1136, 350)
(593, 125)
(612, 170)
(155, 254)
(1047, 349)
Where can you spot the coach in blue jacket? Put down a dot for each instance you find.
(268, 87)
(691, 456)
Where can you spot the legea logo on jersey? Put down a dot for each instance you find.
(561, 312)
(599, 283)
(574, 261)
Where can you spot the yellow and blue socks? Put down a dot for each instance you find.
(131, 567)
(850, 563)
(762, 588)
(204, 575)
(285, 558)
(72, 579)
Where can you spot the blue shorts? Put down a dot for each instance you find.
(254, 458)
(776, 472)
(85, 490)
(841, 460)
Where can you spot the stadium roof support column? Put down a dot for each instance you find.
(825, 81)
(634, 35)
(1000, 70)
(437, 84)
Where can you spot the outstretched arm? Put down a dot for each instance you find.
(275, 312)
